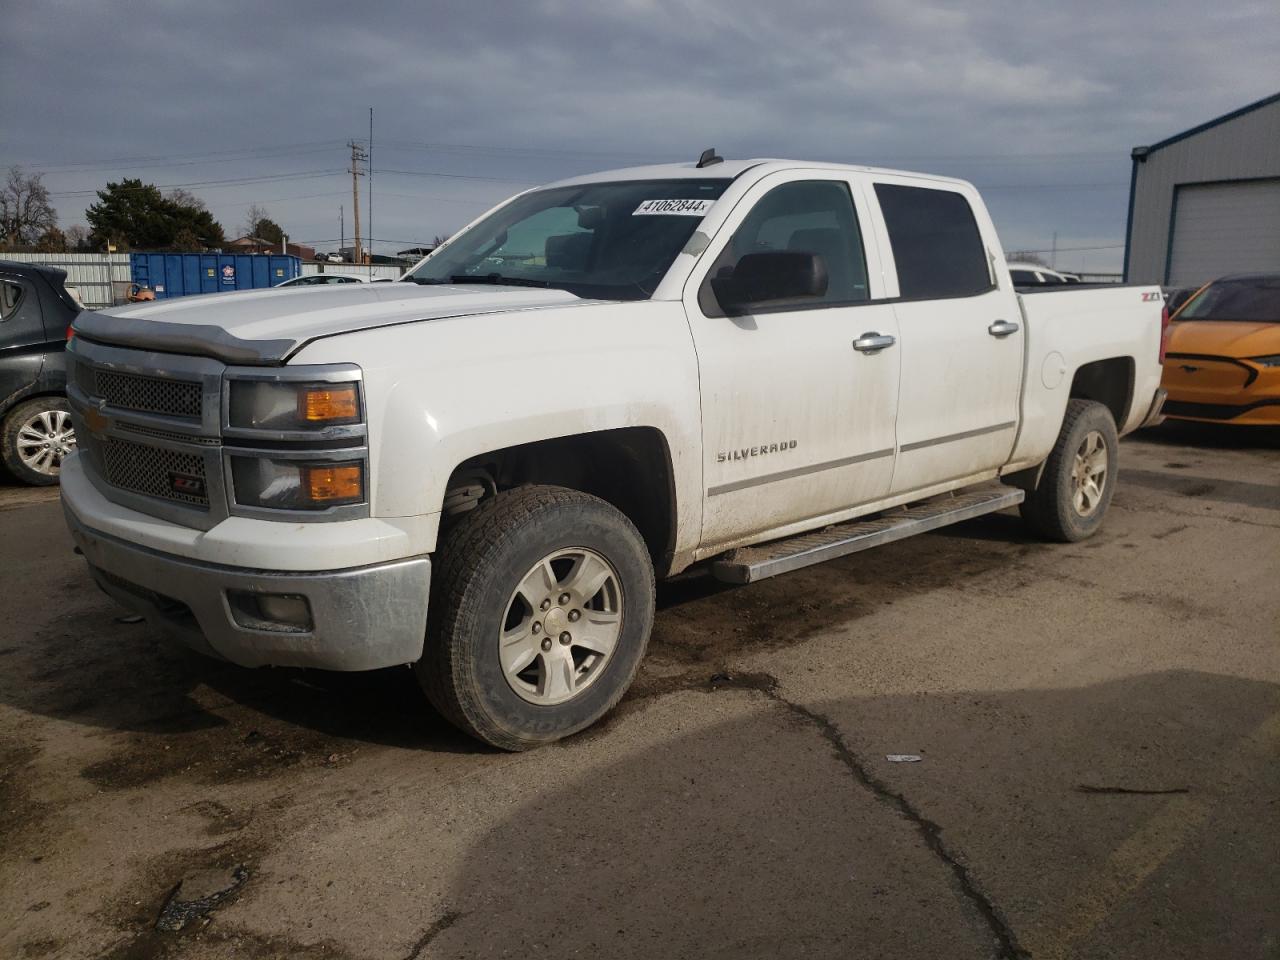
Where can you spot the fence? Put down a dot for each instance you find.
(102, 279)
(379, 271)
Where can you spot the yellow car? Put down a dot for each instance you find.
(1222, 364)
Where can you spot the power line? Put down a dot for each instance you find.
(457, 176)
(217, 156)
(237, 181)
(1051, 186)
(1049, 156)
(1109, 246)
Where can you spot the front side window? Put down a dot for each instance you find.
(936, 244)
(808, 216)
(611, 241)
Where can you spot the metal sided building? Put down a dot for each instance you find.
(1206, 202)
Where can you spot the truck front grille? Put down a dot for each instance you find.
(153, 472)
(170, 398)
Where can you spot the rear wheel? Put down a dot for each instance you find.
(540, 614)
(1079, 477)
(35, 437)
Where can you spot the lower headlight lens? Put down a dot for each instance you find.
(296, 484)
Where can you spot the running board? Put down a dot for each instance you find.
(748, 564)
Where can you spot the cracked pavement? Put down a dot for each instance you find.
(1099, 728)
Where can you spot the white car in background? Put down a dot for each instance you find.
(321, 279)
(1035, 274)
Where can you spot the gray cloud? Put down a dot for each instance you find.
(1038, 105)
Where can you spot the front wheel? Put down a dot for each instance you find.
(1079, 477)
(540, 614)
(35, 437)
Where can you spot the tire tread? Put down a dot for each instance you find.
(1045, 510)
(446, 675)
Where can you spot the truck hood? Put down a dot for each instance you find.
(1224, 338)
(265, 327)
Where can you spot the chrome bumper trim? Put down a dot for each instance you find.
(1155, 415)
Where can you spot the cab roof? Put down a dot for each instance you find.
(731, 170)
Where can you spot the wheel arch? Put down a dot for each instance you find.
(1109, 382)
(630, 468)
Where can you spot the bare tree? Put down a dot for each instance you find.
(1026, 256)
(52, 240)
(253, 216)
(77, 238)
(25, 212)
(185, 198)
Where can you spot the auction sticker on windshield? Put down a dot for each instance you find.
(681, 208)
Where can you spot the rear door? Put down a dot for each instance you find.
(961, 335)
(797, 422)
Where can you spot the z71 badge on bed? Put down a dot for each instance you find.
(679, 208)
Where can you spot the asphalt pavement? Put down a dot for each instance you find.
(1097, 727)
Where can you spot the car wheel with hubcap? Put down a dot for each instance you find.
(541, 608)
(1079, 476)
(36, 436)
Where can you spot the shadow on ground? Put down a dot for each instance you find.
(785, 832)
(1211, 436)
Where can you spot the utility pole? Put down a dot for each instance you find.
(369, 165)
(1053, 256)
(357, 157)
(342, 226)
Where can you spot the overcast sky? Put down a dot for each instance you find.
(1039, 105)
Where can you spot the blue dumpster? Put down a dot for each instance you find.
(182, 274)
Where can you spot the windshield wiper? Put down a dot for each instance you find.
(423, 280)
(497, 279)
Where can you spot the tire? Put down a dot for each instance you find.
(28, 427)
(1064, 507)
(509, 564)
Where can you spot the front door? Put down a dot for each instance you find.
(797, 421)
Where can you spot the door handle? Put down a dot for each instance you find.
(873, 342)
(1002, 328)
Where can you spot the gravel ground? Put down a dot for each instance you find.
(1098, 726)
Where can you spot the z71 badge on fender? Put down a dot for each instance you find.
(746, 452)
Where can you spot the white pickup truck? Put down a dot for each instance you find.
(480, 469)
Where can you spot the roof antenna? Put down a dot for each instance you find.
(709, 156)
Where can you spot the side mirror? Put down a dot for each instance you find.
(766, 277)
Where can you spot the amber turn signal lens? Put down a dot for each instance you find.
(331, 483)
(329, 403)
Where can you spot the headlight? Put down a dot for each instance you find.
(297, 484)
(268, 405)
(1271, 361)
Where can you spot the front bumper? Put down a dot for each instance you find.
(1215, 389)
(361, 618)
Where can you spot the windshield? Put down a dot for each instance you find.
(1255, 299)
(611, 241)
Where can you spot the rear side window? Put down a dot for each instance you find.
(936, 243)
(10, 297)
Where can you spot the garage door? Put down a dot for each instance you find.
(1221, 228)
